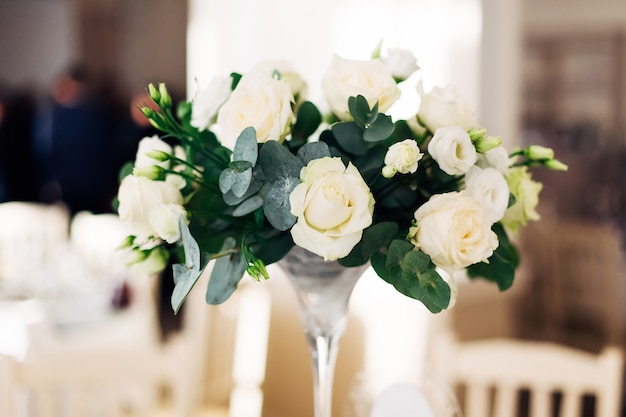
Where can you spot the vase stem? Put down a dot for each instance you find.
(324, 353)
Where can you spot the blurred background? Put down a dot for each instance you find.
(550, 72)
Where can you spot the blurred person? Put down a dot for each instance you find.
(18, 172)
(74, 136)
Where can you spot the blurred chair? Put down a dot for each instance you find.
(32, 237)
(80, 384)
(213, 368)
(495, 374)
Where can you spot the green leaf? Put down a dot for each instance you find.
(248, 206)
(276, 204)
(313, 150)
(226, 274)
(412, 273)
(350, 137)
(255, 185)
(127, 169)
(277, 162)
(186, 275)
(374, 239)
(235, 181)
(360, 110)
(273, 248)
(307, 120)
(421, 281)
(502, 264)
(246, 148)
(240, 166)
(380, 130)
(236, 78)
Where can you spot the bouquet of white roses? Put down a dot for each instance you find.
(419, 198)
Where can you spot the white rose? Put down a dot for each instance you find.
(208, 101)
(401, 63)
(259, 101)
(453, 150)
(287, 73)
(490, 189)
(333, 205)
(526, 192)
(347, 78)
(453, 229)
(497, 158)
(445, 107)
(402, 157)
(147, 144)
(145, 206)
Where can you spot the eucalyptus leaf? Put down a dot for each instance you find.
(255, 185)
(350, 137)
(421, 281)
(277, 162)
(246, 147)
(248, 206)
(380, 130)
(235, 181)
(360, 110)
(184, 281)
(186, 275)
(276, 204)
(226, 274)
(312, 151)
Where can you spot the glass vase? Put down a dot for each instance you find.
(323, 289)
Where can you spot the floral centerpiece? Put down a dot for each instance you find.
(419, 198)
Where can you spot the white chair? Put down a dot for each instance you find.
(32, 236)
(214, 367)
(493, 372)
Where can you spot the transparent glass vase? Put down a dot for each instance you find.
(323, 289)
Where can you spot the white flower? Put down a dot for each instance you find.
(453, 150)
(490, 189)
(526, 192)
(164, 218)
(259, 101)
(402, 157)
(497, 158)
(149, 208)
(401, 63)
(333, 205)
(208, 101)
(347, 78)
(445, 107)
(453, 229)
(288, 74)
(151, 261)
(147, 144)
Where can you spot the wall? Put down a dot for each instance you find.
(36, 40)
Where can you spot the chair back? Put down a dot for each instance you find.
(500, 377)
